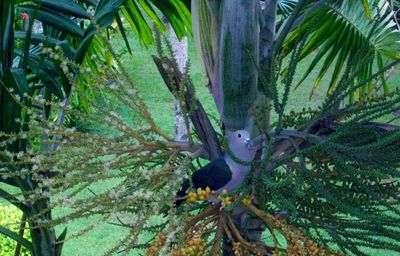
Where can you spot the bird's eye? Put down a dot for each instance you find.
(239, 135)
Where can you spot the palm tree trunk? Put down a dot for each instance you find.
(236, 37)
(43, 238)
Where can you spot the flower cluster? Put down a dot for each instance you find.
(226, 198)
(192, 247)
(237, 249)
(24, 16)
(248, 200)
(199, 195)
(157, 245)
(298, 243)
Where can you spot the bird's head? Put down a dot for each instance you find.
(238, 143)
(241, 137)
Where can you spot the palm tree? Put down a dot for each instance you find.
(69, 26)
(242, 48)
(323, 180)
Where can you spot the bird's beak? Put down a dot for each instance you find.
(254, 144)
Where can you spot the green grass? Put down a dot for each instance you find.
(160, 102)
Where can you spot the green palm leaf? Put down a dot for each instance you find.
(65, 6)
(341, 34)
(366, 8)
(55, 19)
(176, 12)
(75, 39)
(14, 236)
(285, 7)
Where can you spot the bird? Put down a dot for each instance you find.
(224, 173)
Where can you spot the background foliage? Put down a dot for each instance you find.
(10, 216)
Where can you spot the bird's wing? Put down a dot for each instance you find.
(215, 175)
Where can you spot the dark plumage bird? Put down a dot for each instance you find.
(224, 172)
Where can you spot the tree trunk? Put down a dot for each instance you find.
(43, 238)
(180, 50)
(37, 26)
(235, 37)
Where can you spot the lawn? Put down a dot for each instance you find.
(160, 102)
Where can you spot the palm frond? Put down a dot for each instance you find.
(285, 7)
(341, 34)
(68, 24)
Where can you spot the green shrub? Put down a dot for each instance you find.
(10, 217)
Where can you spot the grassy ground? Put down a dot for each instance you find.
(160, 103)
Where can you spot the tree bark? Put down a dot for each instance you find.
(37, 26)
(267, 35)
(235, 38)
(180, 51)
(43, 238)
(238, 61)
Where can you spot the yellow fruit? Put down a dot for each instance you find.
(190, 250)
(246, 201)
